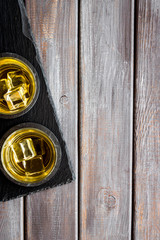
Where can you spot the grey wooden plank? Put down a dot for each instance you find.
(106, 119)
(12, 220)
(147, 122)
(52, 214)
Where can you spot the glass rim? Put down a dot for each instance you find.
(54, 141)
(37, 84)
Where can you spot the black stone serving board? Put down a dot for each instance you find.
(16, 37)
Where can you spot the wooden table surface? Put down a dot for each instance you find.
(101, 59)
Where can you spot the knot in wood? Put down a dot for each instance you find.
(106, 198)
(64, 99)
(111, 201)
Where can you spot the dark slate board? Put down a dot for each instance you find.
(16, 37)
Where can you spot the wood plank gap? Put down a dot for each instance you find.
(25, 218)
(147, 122)
(24, 198)
(22, 218)
(79, 110)
(133, 69)
(134, 93)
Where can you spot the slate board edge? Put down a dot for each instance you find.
(36, 191)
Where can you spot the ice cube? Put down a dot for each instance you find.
(39, 146)
(23, 150)
(17, 78)
(17, 151)
(33, 166)
(3, 87)
(9, 84)
(28, 149)
(16, 98)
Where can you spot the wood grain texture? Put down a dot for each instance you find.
(52, 214)
(147, 122)
(11, 220)
(106, 119)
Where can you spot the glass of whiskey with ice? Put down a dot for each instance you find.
(19, 86)
(30, 154)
